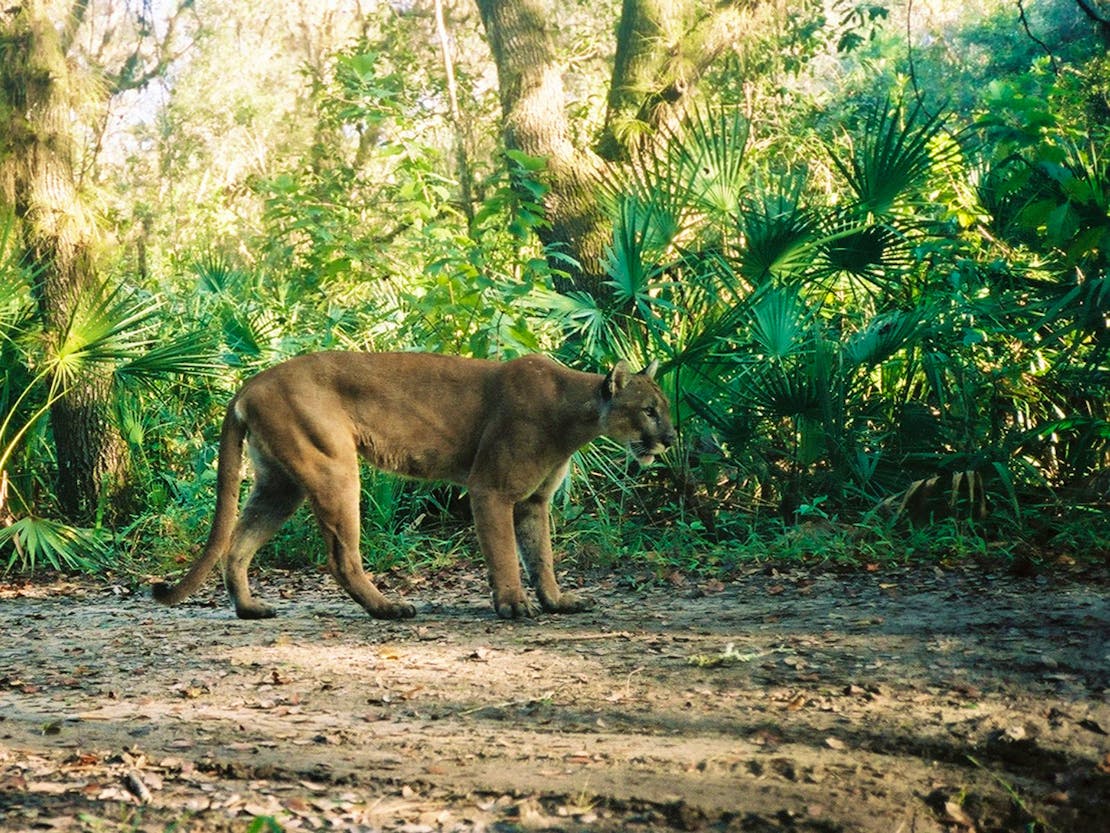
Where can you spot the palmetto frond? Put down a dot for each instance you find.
(653, 193)
(863, 247)
(252, 333)
(642, 233)
(780, 324)
(780, 390)
(779, 373)
(15, 280)
(709, 148)
(893, 157)
(693, 173)
(111, 331)
(106, 326)
(884, 335)
(217, 273)
(37, 542)
(190, 354)
(118, 329)
(779, 232)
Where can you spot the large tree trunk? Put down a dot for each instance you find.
(535, 122)
(39, 180)
(647, 39)
(662, 49)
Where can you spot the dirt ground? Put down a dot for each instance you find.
(800, 699)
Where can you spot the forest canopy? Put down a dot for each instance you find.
(868, 243)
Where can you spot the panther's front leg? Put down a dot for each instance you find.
(533, 536)
(493, 521)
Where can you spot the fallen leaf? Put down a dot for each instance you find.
(298, 805)
(955, 813)
(83, 759)
(48, 787)
(797, 702)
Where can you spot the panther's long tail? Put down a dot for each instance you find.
(229, 475)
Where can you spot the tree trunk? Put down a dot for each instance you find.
(535, 122)
(38, 176)
(662, 49)
(647, 38)
(462, 161)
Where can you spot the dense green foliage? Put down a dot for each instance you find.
(861, 269)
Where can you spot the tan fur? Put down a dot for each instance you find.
(504, 430)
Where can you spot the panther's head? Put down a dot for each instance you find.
(635, 412)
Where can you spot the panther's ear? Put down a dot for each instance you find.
(616, 380)
(651, 369)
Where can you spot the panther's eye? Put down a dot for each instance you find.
(652, 412)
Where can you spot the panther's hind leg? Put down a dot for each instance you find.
(335, 503)
(273, 498)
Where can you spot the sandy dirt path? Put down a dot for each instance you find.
(800, 699)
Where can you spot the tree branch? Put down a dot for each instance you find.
(127, 79)
(1103, 23)
(1035, 39)
(73, 23)
(657, 64)
(462, 162)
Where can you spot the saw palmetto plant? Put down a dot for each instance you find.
(112, 329)
(813, 340)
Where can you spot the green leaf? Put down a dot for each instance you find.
(973, 335)
(780, 323)
(365, 64)
(779, 232)
(533, 164)
(108, 325)
(893, 158)
(884, 335)
(191, 354)
(37, 542)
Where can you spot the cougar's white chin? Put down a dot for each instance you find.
(644, 455)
